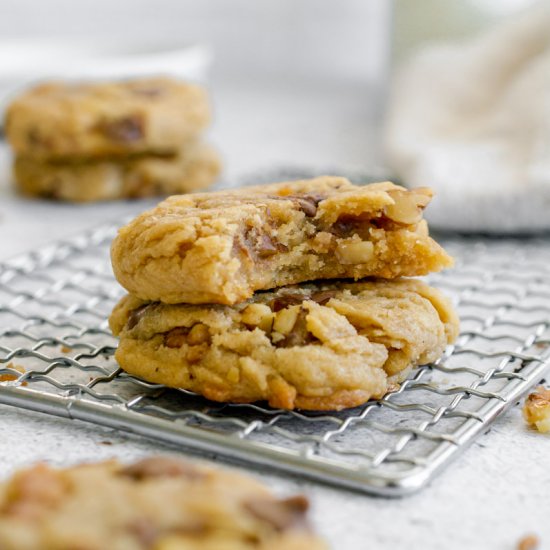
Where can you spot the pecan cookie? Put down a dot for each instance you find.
(153, 115)
(83, 180)
(222, 247)
(319, 346)
(159, 503)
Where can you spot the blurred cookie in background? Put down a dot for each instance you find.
(160, 503)
(101, 141)
(151, 115)
(134, 176)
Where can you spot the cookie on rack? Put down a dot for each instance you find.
(59, 120)
(159, 503)
(81, 180)
(318, 346)
(222, 247)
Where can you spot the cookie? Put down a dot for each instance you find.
(159, 503)
(84, 180)
(152, 115)
(222, 247)
(318, 346)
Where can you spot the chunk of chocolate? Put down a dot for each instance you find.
(161, 466)
(285, 300)
(348, 224)
(258, 243)
(308, 203)
(125, 130)
(322, 297)
(135, 316)
(266, 247)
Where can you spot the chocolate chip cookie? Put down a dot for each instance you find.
(222, 247)
(58, 120)
(318, 346)
(159, 503)
(81, 180)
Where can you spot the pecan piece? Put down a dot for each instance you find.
(536, 410)
(199, 334)
(529, 542)
(298, 335)
(286, 319)
(195, 354)
(359, 252)
(176, 337)
(258, 315)
(404, 210)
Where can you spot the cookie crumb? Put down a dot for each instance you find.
(528, 542)
(11, 377)
(536, 409)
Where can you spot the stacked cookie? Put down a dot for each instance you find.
(89, 142)
(290, 293)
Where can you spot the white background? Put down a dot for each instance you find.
(325, 39)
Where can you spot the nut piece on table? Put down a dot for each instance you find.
(529, 542)
(536, 410)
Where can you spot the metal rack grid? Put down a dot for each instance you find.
(56, 356)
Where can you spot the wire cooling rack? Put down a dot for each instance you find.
(56, 356)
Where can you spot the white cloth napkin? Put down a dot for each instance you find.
(472, 120)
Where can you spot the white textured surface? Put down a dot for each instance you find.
(493, 495)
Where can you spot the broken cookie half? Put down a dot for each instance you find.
(222, 247)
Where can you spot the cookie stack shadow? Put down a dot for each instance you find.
(297, 293)
(101, 141)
